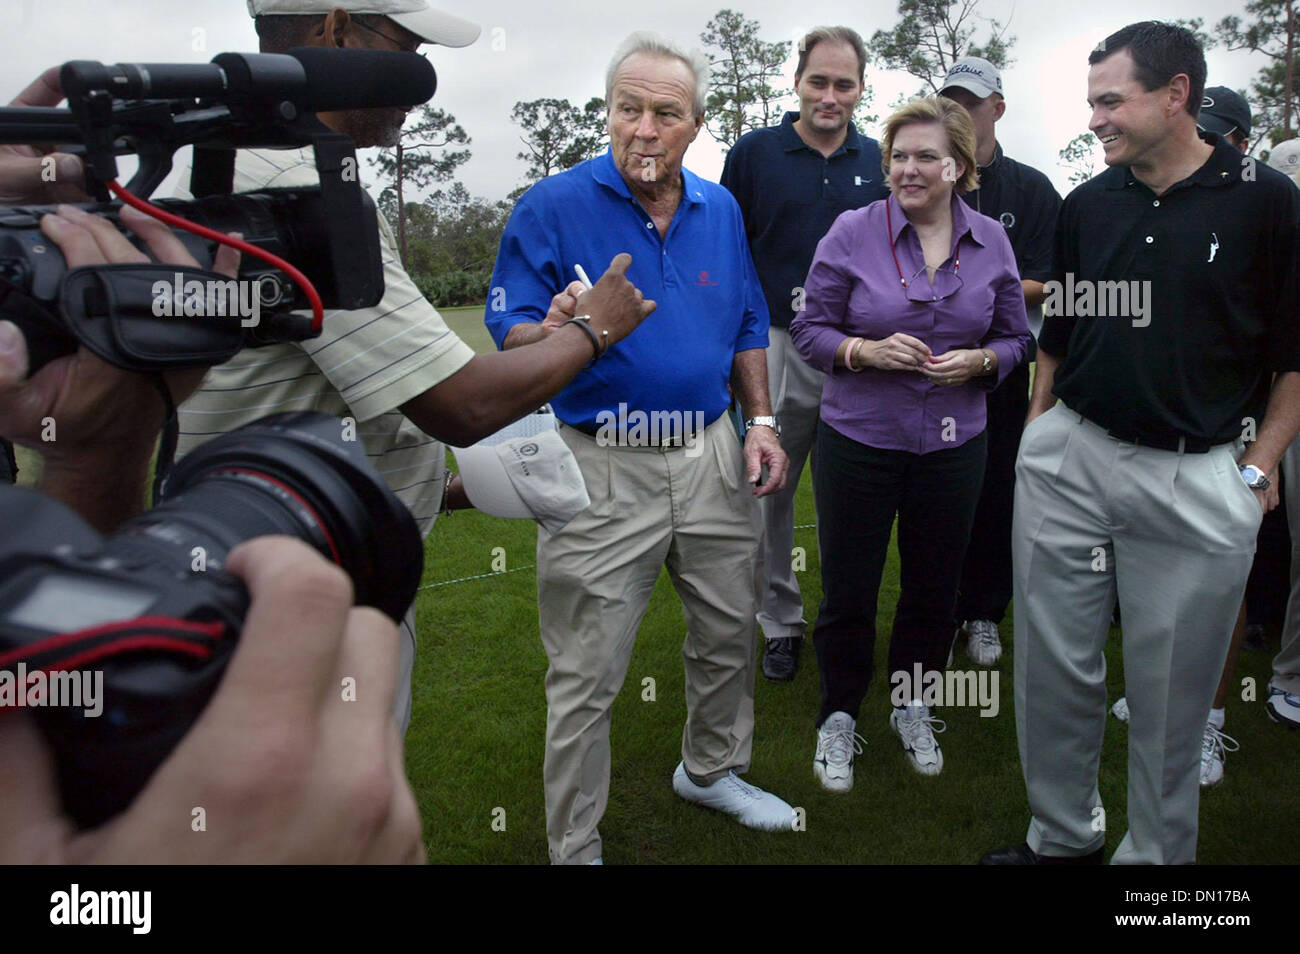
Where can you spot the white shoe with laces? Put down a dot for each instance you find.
(982, 642)
(1120, 709)
(837, 743)
(1214, 745)
(916, 727)
(749, 804)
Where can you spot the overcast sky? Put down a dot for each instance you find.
(531, 49)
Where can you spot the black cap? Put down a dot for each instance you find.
(1222, 111)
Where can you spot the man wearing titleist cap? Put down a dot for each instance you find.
(395, 369)
(1024, 201)
(670, 486)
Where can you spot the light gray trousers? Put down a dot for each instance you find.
(1174, 534)
(796, 389)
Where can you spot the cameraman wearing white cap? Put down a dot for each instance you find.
(395, 369)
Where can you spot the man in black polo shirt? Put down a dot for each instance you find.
(792, 181)
(1024, 201)
(1177, 300)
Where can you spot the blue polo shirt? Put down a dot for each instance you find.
(701, 275)
(790, 195)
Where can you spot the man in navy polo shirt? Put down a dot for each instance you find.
(792, 181)
(668, 481)
(1024, 201)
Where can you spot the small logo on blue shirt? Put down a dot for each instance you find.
(704, 279)
(859, 181)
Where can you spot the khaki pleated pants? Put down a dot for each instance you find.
(687, 509)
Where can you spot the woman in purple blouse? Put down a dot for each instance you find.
(913, 309)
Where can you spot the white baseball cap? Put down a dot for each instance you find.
(525, 470)
(432, 26)
(1285, 156)
(975, 74)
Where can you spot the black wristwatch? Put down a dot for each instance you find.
(764, 421)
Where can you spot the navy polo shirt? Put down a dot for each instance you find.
(710, 305)
(790, 195)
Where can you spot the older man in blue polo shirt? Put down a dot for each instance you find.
(792, 181)
(669, 483)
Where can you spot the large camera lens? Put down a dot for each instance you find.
(291, 474)
(153, 608)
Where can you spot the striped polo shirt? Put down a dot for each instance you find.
(365, 364)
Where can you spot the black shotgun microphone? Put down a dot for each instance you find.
(315, 78)
(360, 79)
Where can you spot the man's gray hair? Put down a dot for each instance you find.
(652, 44)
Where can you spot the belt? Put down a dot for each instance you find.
(1184, 445)
(652, 439)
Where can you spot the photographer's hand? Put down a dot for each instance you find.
(94, 424)
(285, 770)
(30, 176)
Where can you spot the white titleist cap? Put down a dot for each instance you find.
(525, 470)
(433, 26)
(1285, 156)
(975, 74)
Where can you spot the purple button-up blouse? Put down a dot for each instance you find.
(853, 290)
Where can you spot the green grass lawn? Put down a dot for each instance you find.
(476, 738)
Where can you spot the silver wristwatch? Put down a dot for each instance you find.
(1255, 478)
(764, 421)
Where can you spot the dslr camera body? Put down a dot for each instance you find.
(152, 607)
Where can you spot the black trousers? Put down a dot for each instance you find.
(1270, 576)
(859, 491)
(985, 588)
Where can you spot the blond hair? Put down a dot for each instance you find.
(956, 123)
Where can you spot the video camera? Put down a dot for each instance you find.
(237, 101)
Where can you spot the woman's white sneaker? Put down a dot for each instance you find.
(916, 727)
(837, 743)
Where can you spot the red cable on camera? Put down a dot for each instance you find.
(135, 202)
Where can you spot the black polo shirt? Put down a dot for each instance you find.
(1219, 251)
(790, 195)
(1025, 202)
